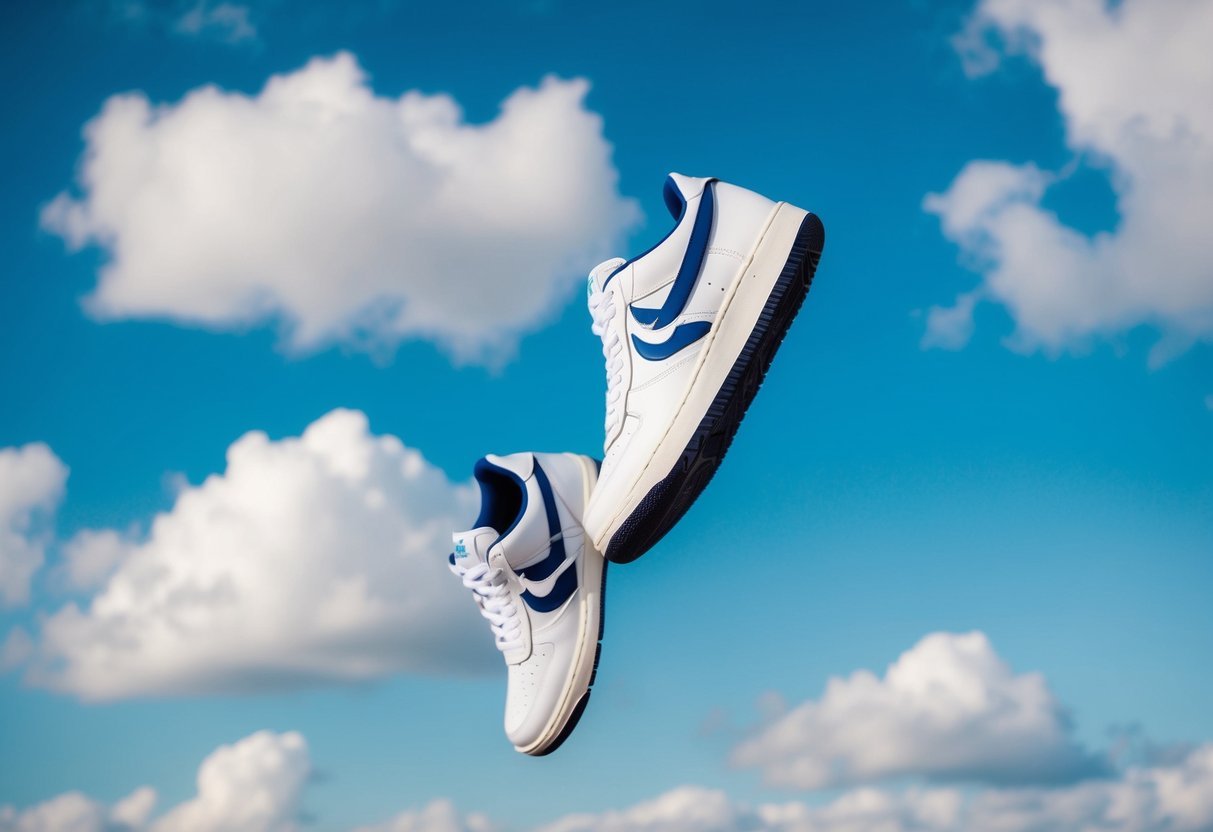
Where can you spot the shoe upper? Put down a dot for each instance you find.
(523, 560)
(655, 311)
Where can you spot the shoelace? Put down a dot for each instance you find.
(602, 311)
(492, 595)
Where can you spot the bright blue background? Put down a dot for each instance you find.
(878, 492)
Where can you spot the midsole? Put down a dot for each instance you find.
(739, 314)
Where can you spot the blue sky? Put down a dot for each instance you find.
(1053, 492)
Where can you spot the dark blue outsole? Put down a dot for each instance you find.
(669, 500)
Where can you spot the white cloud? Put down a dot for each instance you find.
(948, 709)
(74, 812)
(226, 22)
(1167, 798)
(951, 327)
(310, 559)
(1133, 81)
(258, 785)
(346, 216)
(31, 486)
(92, 555)
(438, 816)
(222, 21)
(1177, 797)
(254, 785)
(16, 649)
(686, 808)
(134, 810)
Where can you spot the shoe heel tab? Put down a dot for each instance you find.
(681, 189)
(521, 464)
(572, 477)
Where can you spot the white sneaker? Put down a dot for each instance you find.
(688, 330)
(540, 583)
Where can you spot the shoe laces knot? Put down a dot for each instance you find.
(492, 594)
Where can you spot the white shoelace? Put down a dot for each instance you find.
(492, 595)
(602, 310)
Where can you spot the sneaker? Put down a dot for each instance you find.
(539, 582)
(688, 330)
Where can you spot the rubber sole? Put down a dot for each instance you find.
(579, 708)
(668, 500)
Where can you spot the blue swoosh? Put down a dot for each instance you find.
(683, 337)
(566, 584)
(688, 271)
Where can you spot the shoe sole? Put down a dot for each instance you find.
(668, 500)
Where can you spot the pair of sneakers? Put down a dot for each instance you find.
(688, 329)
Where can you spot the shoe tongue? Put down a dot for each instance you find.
(472, 547)
(600, 273)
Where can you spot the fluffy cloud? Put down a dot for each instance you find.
(1132, 80)
(310, 559)
(346, 216)
(257, 785)
(694, 809)
(1173, 798)
(91, 556)
(686, 808)
(1168, 798)
(438, 816)
(948, 709)
(16, 649)
(31, 486)
(74, 812)
(254, 785)
(1176, 797)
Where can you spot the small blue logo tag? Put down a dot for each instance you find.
(460, 550)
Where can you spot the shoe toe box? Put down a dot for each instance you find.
(535, 696)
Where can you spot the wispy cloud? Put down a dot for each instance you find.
(219, 21)
(32, 479)
(227, 22)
